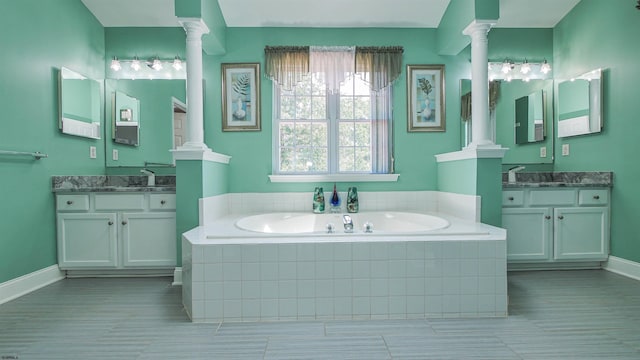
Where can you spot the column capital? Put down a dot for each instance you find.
(478, 27)
(195, 27)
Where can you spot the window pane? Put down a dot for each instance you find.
(346, 162)
(287, 107)
(346, 107)
(320, 159)
(303, 87)
(346, 134)
(363, 159)
(346, 88)
(318, 87)
(319, 134)
(287, 159)
(304, 159)
(319, 107)
(362, 106)
(362, 134)
(287, 137)
(303, 133)
(303, 107)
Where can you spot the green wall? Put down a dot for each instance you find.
(38, 37)
(251, 151)
(604, 34)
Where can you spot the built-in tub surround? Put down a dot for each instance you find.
(230, 274)
(108, 183)
(559, 179)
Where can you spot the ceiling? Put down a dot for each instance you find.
(326, 13)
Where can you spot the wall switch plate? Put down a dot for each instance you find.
(92, 152)
(543, 152)
(114, 154)
(565, 149)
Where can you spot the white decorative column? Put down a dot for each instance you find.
(480, 126)
(195, 28)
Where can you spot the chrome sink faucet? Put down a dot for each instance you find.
(151, 177)
(348, 223)
(512, 173)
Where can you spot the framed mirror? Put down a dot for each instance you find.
(534, 142)
(580, 105)
(79, 104)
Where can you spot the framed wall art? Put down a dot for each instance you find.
(425, 98)
(241, 97)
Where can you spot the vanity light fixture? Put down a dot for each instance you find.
(115, 64)
(177, 63)
(156, 64)
(135, 64)
(518, 70)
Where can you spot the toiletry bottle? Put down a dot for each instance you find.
(352, 200)
(335, 200)
(318, 200)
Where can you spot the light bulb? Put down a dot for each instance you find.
(545, 68)
(525, 68)
(135, 64)
(177, 63)
(157, 65)
(115, 64)
(506, 67)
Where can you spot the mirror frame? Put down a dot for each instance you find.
(582, 121)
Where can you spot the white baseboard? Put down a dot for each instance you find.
(25, 284)
(177, 277)
(624, 267)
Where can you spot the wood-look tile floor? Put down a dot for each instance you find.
(553, 315)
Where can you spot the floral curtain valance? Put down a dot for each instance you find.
(287, 65)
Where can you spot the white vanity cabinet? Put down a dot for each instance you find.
(556, 225)
(135, 230)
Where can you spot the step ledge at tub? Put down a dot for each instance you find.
(334, 178)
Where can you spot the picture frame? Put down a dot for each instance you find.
(425, 98)
(241, 97)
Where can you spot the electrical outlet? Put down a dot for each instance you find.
(543, 152)
(114, 154)
(565, 149)
(92, 152)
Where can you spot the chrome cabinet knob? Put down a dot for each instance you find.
(163, 202)
(547, 217)
(596, 197)
(510, 198)
(124, 222)
(560, 217)
(110, 223)
(69, 202)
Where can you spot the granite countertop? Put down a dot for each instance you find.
(559, 179)
(112, 183)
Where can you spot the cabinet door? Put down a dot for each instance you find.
(528, 233)
(87, 241)
(581, 233)
(148, 239)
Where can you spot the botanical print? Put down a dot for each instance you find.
(425, 98)
(241, 97)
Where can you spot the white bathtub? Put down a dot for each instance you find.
(376, 221)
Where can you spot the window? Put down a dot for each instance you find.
(325, 132)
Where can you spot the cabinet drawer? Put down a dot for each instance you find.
(119, 201)
(593, 197)
(552, 197)
(162, 201)
(512, 198)
(72, 202)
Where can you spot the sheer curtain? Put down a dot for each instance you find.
(379, 66)
(286, 65)
(332, 64)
